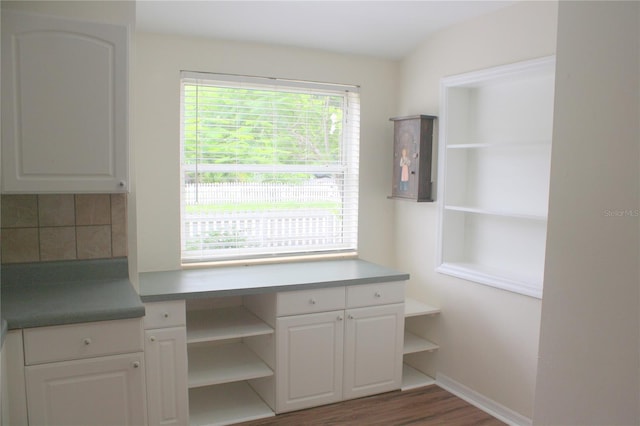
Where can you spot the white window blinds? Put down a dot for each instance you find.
(269, 167)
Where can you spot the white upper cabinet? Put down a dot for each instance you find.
(495, 152)
(64, 105)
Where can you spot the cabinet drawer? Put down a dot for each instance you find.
(86, 340)
(308, 301)
(164, 314)
(375, 294)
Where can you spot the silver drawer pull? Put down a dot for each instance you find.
(378, 294)
(166, 315)
(86, 341)
(339, 318)
(152, 338)
(136, 364)
(312, 301)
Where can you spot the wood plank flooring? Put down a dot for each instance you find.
(430, 405)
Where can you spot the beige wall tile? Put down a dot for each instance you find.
(20, 245)
(93, 209)
(19, 211)
(49, 227)
(56, 210)
(93, 242)
(58, 243)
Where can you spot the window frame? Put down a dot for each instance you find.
(348, 168)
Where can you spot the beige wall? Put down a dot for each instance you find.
(159, 60)
(589, 357)
(488, 337)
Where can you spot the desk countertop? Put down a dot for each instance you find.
(255, 279)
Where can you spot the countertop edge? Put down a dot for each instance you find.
(85, 317)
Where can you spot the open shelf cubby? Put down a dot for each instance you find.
(412, 377)
(222, 363)
(495, 151)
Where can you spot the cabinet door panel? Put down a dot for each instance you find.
(309, 360)
(166, 363)
(64, 105)
(373, 350)
(89, 392)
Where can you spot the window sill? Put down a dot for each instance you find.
(267, 261)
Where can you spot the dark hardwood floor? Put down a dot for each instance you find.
(430, 405)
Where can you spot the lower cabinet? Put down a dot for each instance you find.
(309, 364)
(165, 352)
(165, 355)
(325, 357)
(373, 350)
(14, 395)
(218, 361)
(95, 391)
(85, 374)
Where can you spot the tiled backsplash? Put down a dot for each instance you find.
(40, 228)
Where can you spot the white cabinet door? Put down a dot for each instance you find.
(309, 360)
(166, 364)
(89, 392)
(373, 350)
(64, 105)
(14, 395)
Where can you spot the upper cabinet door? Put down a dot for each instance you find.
(64, 105)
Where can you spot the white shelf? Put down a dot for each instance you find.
(412, 378)
(226, 404)
(515, 145)
(528, 286)
(225, 323)
(413, 308)
(413, 344)
(495, 150)
(212, 365)
(514, 215)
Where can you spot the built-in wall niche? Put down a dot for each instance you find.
(495, 151)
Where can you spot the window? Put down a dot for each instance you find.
(269, 167)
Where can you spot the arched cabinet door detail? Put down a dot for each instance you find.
(64, 105)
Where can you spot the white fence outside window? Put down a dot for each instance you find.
(224, 193)
(301, 227)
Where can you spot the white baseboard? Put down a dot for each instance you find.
(482, 402)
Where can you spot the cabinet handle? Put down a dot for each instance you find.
(378, 294)
(122, 184)
(312, 301)
(86, 341)
(152, 338)
(166, 315)
(136, 364)
(351, 316)
(339, 318)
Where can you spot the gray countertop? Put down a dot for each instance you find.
(58, 293)
(36, 295)
(254, 279)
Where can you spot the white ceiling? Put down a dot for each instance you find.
(387, 29)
